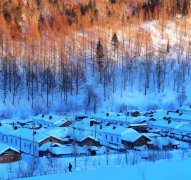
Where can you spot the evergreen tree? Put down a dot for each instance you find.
(178, 6)
(114, 41)
(168, 47)
(100, 55)
(185, 8)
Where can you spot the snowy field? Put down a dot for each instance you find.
(162, 170)
(176, 165)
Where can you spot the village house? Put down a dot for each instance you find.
(179, 117)
(172, 129)
(165, 143)
(58, 150)
(9, 154)
(85, 140)
(29, 141)
(109, 136)
(185, 109)
(52, 121)
(21, 139)
(133, 139)
(142, 128)
(121, 120)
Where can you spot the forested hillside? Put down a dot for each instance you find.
(64, 55)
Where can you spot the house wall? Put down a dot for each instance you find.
(51, 139)
(128, 145)
(110, 138)
(114, 121)
(9, 158)
(20, 143)
(89, 142)
(141, 129)
(139, 142)
(66, 124)
(44, 123)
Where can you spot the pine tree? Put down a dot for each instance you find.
(168, 47)
(100, 55)
(114, 41)
(185, 8)
(178, 6)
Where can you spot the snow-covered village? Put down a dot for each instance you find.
(51, 142)
(95, 89)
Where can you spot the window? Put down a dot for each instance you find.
(117, 139)
(111, 138)
(30, 146)
(11, 140)
(105, 136)
(15, 141)
(35, 148)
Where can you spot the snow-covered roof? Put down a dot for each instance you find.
(57, 120)
(48, 145)
(80, 137)
(62, 149)
(179, 116)
(120, 131)
(25, 133)
(163, 141)
(185, 109)
(137, 125)
(122, 118)
(159, 114)
(112, 129)
(131, 135)
(5, 147)
(165, 124)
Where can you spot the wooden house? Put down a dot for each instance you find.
(89, 141)
(134, 139)
(51, 139)
(142, 128)
(9, 154)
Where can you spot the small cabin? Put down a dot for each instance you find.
(65, 123)
(135, 114)
(142, 128)
(9, 154)
(89, 141)
(80, 118)
(51, 139)
(132, 142)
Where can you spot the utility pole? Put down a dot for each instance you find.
(95, 129)
(20, 143)
(33, 147)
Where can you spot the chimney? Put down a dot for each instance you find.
(50, 117)
(42, 115)
(180, 113)
(91, 123)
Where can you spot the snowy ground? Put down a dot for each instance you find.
(175, 165)
(162, 170)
